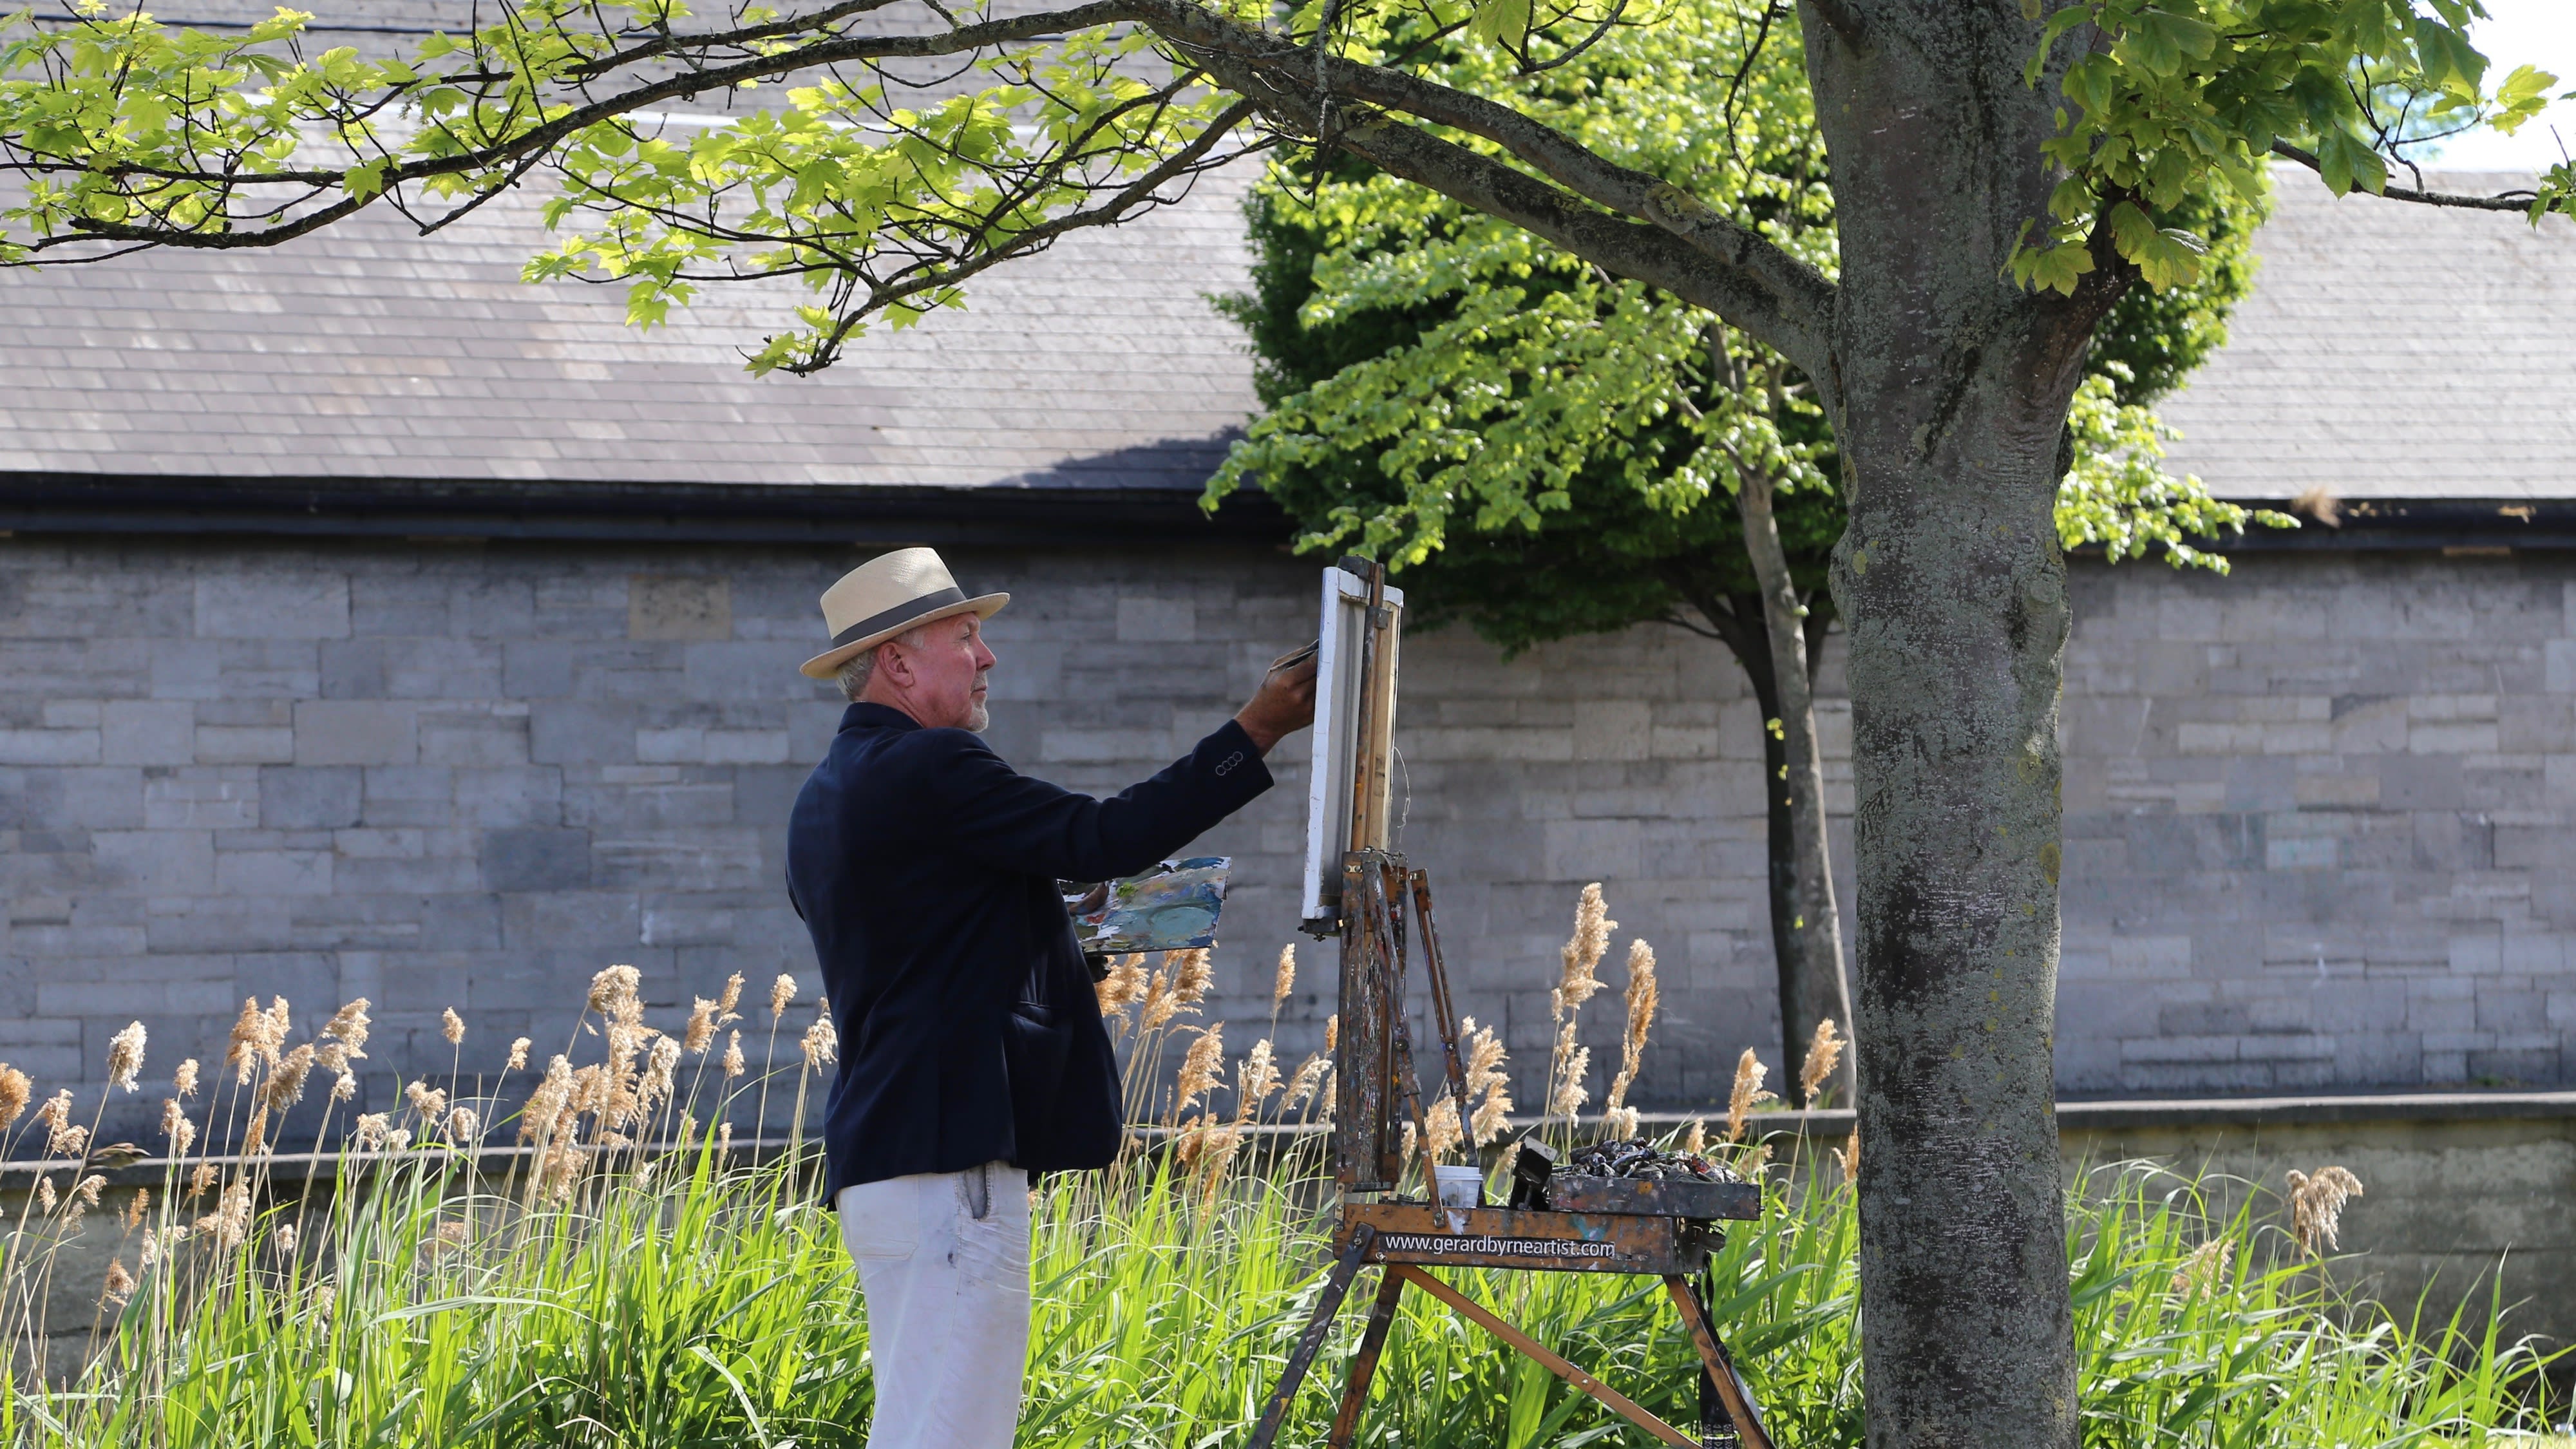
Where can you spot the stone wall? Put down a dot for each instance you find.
(2316, 812)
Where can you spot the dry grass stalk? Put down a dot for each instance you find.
(781, 992)
(1582, 954)
(1847, 1157)
(518, 1054)
(344, 1087)
(1160, 1005)
(45, 1194)
(1201, 1068)
(1333, 1032)
(821, 1043)
(15, 1088)
(733, 1055)
(348, 1026)
(613, 985)
(1570, 1094)
(2316, 1206)
(451, 1026)
(1488, 1081)
(1256, 1080)
(1193, 971)
(2201, 1271)
(1283, 979)
(1577, 982)
(125, 1057)
(134, 1210)
(285, 1085)
(1695, 1136)
(700, 1033)
(63, 1136)
(120, 1285)
(176, 1126)
(1642, 997)
(1824, 1053)
(202, 1181)
(1440, 1128)
(1310, 1075)
(1746, 1094)
(182, 1081)
(1123, 987)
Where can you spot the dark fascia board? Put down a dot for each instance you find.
(1008, 516)
(2366, 525)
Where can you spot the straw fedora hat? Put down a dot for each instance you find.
(887, 595)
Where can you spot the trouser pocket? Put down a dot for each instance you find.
(975, 1191)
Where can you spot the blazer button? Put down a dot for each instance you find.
(1226, 765)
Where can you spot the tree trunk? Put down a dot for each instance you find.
(1948, 395)
(1739, 621)
(1793, 780)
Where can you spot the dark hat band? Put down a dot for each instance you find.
(899, 615)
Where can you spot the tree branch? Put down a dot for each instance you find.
(2513, 201)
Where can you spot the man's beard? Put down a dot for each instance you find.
(978, 718)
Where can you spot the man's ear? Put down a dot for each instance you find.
(892, 666)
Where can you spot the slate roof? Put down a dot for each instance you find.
(368, 353)
(2393, 350)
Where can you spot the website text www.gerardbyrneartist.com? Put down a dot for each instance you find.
(1498, 1247)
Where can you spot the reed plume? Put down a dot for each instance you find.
(518, 1054)
(176, 1126)
(1695, 1137)
(1441, 1132)
(1824, 1053)
(182, 1081)
(728, 999)
(1283, 979)
(1200, 1068)
(285, 1085)
(63, 1136)
(613, 985)
(700, 1033)
(1746, 1094)
(821, 1044)
(2201, 1271)
(349, 1027)
(15, 1088)
(2316, 1206)
(1160, 1005)
(1123, 987)
(1193, 971)
(125, 1057)
(1619, 1119)
(1487, 1080)
(1255, 1080)
(733, 1055)
(781, 992)
(451, 1026)
(119, 1289)
(1310, 1075)
(1847, 1157)
(1577, 981)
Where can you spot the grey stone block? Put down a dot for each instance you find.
(356, 732)
(284, 603)
(148, 732)
(310, 797)
(535, 859)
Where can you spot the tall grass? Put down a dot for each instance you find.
(591, 1290)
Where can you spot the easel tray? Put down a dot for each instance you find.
(1565, 1242)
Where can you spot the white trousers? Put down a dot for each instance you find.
(944, 1263)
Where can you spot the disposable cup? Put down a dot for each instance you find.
(1461, 1187)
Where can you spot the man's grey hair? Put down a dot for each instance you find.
(854, 672)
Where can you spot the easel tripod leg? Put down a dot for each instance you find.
(1364, 1366)
(1336, 1287)
(1720, 1369)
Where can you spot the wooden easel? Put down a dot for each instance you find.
(1668, 1230)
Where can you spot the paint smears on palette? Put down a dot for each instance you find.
(1173, 908)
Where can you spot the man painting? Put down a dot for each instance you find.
(972, 1045)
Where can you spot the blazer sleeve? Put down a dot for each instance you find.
(1012, 822)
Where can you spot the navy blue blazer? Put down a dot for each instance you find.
(925, 868)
